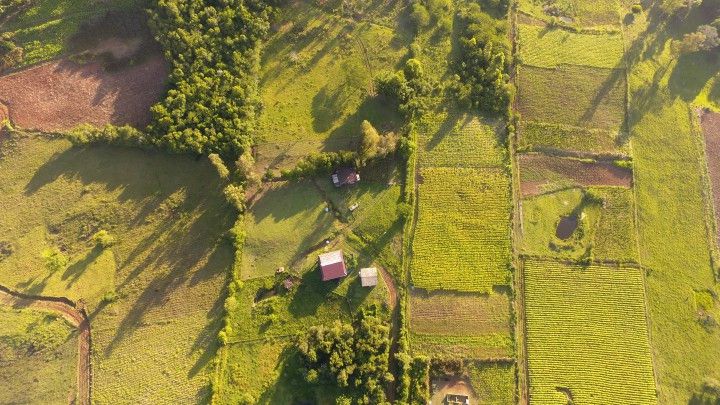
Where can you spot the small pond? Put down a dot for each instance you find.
(566, 226)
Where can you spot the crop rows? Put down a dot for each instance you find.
(459, 314)
(587, 333)
(460, 141)
(462, 238)
(494, 383)
(573, 95)
(545, 47)
(538, 135)
(486, 346)
(615, 237)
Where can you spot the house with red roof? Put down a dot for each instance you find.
(332, 265)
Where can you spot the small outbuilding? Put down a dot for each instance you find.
(368, 277)
(457, 399)
(332, 265)
(345, 175)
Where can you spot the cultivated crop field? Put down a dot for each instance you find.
(550, 48)
(574, 95)
(579, 321)
(540, 173)
(543, 136)
(711, 132)
(494, 383)
(462, 238)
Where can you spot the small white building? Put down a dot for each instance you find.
(368, 277)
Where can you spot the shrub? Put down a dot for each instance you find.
(419, 16)
(104, 239)
(126, 135)
(637, 8)
(10, 54)
(109, 297)
(55, 260)
(319, 163)
(219, 165)
(370, 141)
(235, 195)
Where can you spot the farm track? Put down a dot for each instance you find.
(73, 313)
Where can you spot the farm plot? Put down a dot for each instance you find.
(586, 13)
(458, 140)
(90, 94)
(316, 80)
(462, 237)
(38, 352)
(457, 325)
(711, 131)
(580, 96)
(153, 294)
(616, 234)
(587, 335)
(550, 47)
(493, 383)
(540, 174)
(539, 136)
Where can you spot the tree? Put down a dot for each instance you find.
(219, 165)
(55, 260)
(370, 141)
(245, 166)
(420, 16)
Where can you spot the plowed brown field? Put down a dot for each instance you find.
(711, 131)
(539, 173)
(62, 94)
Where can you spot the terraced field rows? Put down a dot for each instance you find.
(462, 239)
(587, 335)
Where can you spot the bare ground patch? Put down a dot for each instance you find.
(61, 95)
(451, 385)
(541, 173)
(711, 131)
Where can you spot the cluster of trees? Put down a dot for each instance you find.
(352, 356)
(373, 144)
(409, 88)
(213, 46)
(481, 79)
(8, 7)
(425, 13)
(10, 53)
(705, 38)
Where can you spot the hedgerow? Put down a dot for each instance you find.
(213, 48)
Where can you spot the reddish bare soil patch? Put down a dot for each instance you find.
(541, 173)
(711, 131)
(61, 95)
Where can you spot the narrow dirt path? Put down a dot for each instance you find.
(72, 313)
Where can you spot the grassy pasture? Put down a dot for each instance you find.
(460, 140)
(551, 47)
(462, 239)
(585, 13)
(449, 347)
(587, 334)
(671, 209)
(317, 75)
(38, 353)
(616, 235)
(44, 30)
(168, 267)
(573, 95)
(540, 136)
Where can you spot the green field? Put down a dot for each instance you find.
(493, 383)
(38, 353)
(543, 136)
(583, 13)
(587, 336)
(317, 75)
(462, 239)
(44, 29)
(548, 47)
(167, 269)
(573, 95)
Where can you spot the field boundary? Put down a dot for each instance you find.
(76, 315)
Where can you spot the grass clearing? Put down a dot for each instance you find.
(542, 136)
(38, 352)
(448, 347)
(616, 235)
(587, 334)
(586, 13)
(462, 239)
(168, 267)
(317, 74)
(550, 47)
(573, 95)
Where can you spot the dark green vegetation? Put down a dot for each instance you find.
(154, 294)
(38, 352)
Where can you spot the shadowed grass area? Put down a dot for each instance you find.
(166, 270)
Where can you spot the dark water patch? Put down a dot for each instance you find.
(566, 226)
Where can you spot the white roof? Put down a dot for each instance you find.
(329, 258)
(368, 272)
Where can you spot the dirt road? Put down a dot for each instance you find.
(76, 316)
